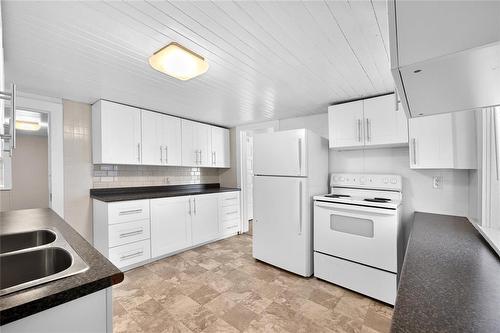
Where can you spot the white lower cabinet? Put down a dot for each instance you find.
(130, 233)
(170, 225)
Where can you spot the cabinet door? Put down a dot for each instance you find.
(431, 142)
(384, 125)
(205, 218)
(152, 132)
(120, 130)
(171, 140)
(220, 147)
(345, 125)
(190, 153)
(204, 144)
(170, 225)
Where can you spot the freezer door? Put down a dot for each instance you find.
(282, 234)
(280, 153)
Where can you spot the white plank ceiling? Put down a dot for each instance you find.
(268, 60)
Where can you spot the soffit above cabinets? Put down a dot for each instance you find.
(268, 60)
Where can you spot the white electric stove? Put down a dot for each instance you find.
(357, 233)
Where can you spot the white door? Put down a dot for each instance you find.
(280, 153)
(152, 132)
(364, 235)
(220, 147)
(384, 125)
(346, 125)
(280, 230)
(205, 218)
(171, 140)
(121, 134)
(431, 142)
(170, 225)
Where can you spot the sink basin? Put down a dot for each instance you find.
(23, 240)
(19, 268)
(31, 258)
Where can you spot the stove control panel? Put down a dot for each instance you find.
(368, 181)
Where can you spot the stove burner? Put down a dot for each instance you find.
(337, 195)
(378, 200)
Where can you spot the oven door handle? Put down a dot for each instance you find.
(356, 209)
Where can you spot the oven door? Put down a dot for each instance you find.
(365, 235)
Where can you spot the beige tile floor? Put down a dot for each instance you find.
(219, 287)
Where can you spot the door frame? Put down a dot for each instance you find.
(241, 134)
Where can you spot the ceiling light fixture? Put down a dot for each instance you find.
(178, 61)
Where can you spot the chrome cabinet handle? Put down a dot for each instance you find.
(300, 208)
(166, 154)
(132, 211)
(231, 213)
(368, 130)
(194, 205)
(132, 255)
(215, 157)
(200, 157)
(131, 233)
(414, 144)
(161, 154)
(233, 198)
(359, 130)
(138, 152)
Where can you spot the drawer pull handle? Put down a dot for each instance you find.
(132, 211)
(231, 213)
(132, 255)
(233, 198)
(131, 233)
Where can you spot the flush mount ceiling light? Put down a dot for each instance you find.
(179, 62)
(28, 121)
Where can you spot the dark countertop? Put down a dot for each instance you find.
(151, 192)
(101, 273)
(450, 281)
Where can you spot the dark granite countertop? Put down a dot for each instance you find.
(450, 281)
(101, 273)
(151, 192)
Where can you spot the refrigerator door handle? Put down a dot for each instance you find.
(300, 207)
(300, 156)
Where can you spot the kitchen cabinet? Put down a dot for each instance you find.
(161, 139)
(116, 133)
(445, 54)
(205, 218)
(170, 225)
(370, 123)
(220, 147)
(196, 144)
(444, 141)
(230, 213)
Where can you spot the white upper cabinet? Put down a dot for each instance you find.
(345, 125)
(385, 122)
(220, 156)
(116, 133)
(445, 141)
(369, 123)
(445, 54)
(196, 144)
(161, 139)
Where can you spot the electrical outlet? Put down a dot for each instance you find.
(437, 182)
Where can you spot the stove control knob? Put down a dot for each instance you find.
(341, 178)
(362, 180)
(386, 180)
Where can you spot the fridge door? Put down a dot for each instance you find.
(280, 153)
(282, 234)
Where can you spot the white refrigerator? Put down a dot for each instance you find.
(290, 167)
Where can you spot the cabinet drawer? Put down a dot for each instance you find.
(231, 199)
(129, 254)
(231, 224)
(125, 211)
(231, 229)
(128, 232)
(230, 213)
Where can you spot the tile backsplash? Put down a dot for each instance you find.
(105, 175)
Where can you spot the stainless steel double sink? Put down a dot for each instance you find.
(33, 257)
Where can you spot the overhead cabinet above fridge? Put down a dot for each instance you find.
(123, 134)
(445, 55)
